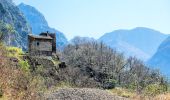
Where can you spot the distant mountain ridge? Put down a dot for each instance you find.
(11, 16)
(161, 59)
(140, 42)
(39, 24)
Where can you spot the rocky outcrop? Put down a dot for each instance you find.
(11, 16)
(44, 61)
(46, 67)
(82, 94)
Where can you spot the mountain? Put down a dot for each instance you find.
(161, 59)
(11, 18)
(140, 42)
(39, 24)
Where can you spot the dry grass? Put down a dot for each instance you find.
(133, 96)
(158, 97)
(123, 93)
(14, 83)
(165, 96)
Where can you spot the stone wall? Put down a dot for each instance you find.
(46, 62)
(41, 45)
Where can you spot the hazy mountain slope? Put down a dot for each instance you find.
(140, 42)
(129, 50)
(11, 16)
(161, 59)
(39, 24)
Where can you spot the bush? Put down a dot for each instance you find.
(110, 84)
(14, 52)
(24, 66)
(101, 63)
(154, 89)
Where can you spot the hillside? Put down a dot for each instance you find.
(85, 69)
(35, 78)
(140, 42)
(24, 77)
(12, 18)
(161, 59)
(39, 24)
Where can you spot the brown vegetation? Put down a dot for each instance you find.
(88, 64)
(14, 82)
(110, 69)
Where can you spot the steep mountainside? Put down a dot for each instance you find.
(11, 16)
(39, 24)
(161, 58)
(140, 42)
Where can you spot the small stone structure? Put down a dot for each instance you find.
(42, 45)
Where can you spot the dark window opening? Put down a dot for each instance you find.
(38, 43)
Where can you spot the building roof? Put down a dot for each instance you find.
(40, 37)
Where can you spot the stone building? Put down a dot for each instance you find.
(42, 45)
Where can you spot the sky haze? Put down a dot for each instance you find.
(93, 18)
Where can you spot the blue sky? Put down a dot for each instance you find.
(93, 18)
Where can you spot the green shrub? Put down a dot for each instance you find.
(131, 86)
(15, 52)
(154, 89)
(24, 66)
(113, 82)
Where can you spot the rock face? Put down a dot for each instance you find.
(39, 24)
(82, 94)
(140, 42)
(44, 61)
(12, 16)
(161, 58)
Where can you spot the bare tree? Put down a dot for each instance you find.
(103, 64)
